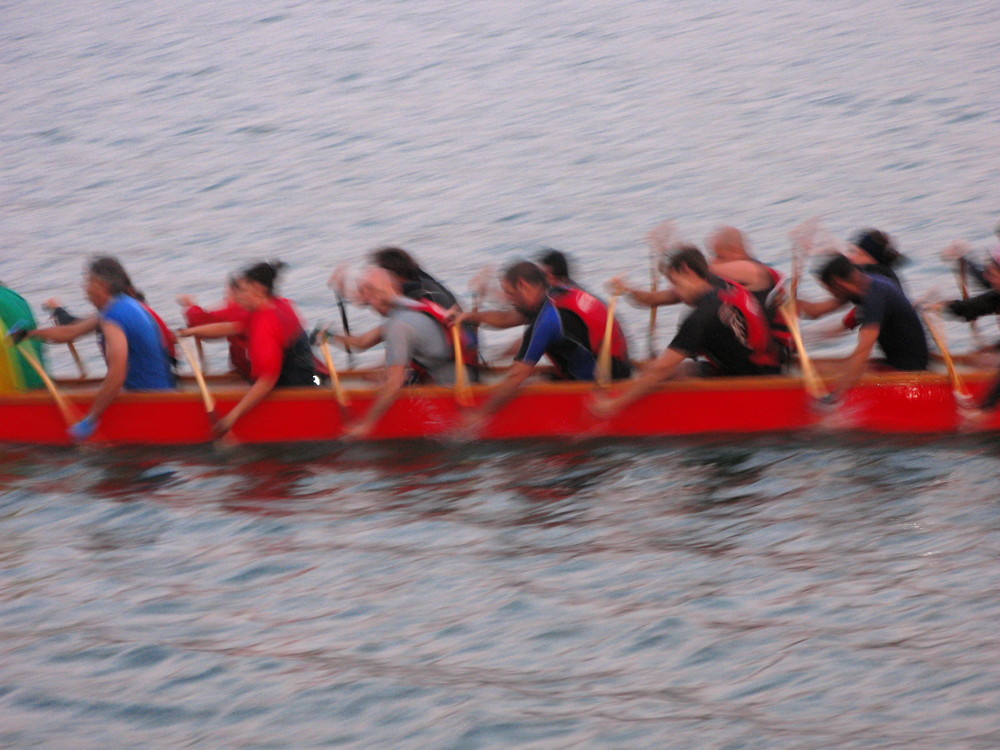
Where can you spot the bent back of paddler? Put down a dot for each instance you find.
(415, 333)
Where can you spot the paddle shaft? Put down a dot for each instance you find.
(347, 328)
(957, 384)
(324, 346)
(604, 356)
(76, 358)
(813, 382)
(462, 394)
(192, 361)
(654, 285)
(64, 408)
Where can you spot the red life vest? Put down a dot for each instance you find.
(166, 335)
(763, 347)
(470, 345)
(594, 315)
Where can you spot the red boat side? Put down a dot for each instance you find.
(884, 403)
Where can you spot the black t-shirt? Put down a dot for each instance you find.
(901, 335)
(718, 332)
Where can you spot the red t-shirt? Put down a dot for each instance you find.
(270, 331)
(231, 313)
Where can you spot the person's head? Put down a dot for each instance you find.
(555, 266)
(842, 278)
(106, 278)
(728, 244)
(525, 287)
(255, 284)
(879, 246)
(687, 271)
(398, 262)
(378, 289)
(232, 287)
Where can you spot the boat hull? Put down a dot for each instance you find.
(905, 403)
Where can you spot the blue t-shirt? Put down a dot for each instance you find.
(900, 336)
(563, 338)
(148, 366)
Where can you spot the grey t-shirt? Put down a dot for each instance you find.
(410, 335)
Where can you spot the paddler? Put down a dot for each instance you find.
(131, 339)
(727, 332)
(987, 303)
(565, 325)
(230, 312)
(885, 316)
(731, 260)
(277, 344)
(15, 314)
(415, 284)
(418, 346)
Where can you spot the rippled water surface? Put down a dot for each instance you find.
(784, 591)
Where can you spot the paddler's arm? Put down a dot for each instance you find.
(857, 363)
(643, 297)
(501, 393)
(257, 393)
(815, 310)
(116, 353)
(361, 342)
(213, 330)
(654, 373)
(395, 378)
(492, 318)
(67, 333)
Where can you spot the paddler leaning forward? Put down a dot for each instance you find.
(133, 345)
(417, 344)
(565, 324)
(277, 344)
(885, 316)
(726, 333)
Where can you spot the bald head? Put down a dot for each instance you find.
(379, 289)
(727, 243)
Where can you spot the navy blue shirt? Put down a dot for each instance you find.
(901, 335)
(563, 337)
(148, 366)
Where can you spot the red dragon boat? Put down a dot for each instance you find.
(911, 403)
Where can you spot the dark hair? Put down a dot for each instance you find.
(880, 246)
(690, 257)
(525, 270)
(398, 261)
(838, 268)
(264, 273)
(556, 262)
(112, 272)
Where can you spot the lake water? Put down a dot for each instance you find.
(784, 591)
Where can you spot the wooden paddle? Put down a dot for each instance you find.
(206, 395)
(814, 384)
(962, 277)
(958, 387)
(802, 238)
(654, 286)
(324, 346)
(604, 356)
(462, 393)
(68, 413)
(76, 358)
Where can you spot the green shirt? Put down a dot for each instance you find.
(13, 310)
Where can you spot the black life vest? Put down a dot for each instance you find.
(297, 364)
